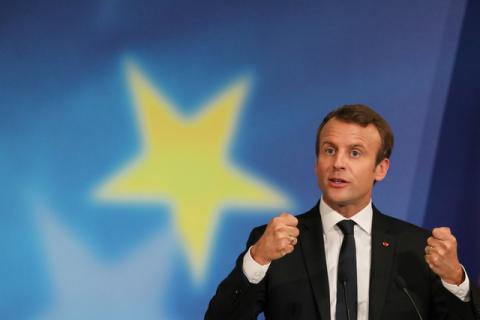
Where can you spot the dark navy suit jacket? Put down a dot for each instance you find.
(296, 286)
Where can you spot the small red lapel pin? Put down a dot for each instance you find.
(385, 244)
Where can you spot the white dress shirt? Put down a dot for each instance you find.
(333, 237)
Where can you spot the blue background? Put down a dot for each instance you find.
(67, 120)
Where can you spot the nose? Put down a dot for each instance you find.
(339, 161)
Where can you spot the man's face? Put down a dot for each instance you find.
(345, 165)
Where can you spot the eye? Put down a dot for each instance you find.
(329, 151)
(355, 153)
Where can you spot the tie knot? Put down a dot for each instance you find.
(346, 226)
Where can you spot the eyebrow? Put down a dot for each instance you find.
(352, 146)
(328, 142)
(357, 145)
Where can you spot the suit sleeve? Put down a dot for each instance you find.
(475, 297)
(448, 306)
(434, 300)
(236, 297)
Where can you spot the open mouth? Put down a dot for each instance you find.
(337, 181)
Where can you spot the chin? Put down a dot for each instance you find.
(335, 200)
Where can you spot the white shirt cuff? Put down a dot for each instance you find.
(254, 271)
(462, 290)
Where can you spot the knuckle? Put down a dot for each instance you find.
(292, 231)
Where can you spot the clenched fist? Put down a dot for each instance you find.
(279, 239)
(441, 256)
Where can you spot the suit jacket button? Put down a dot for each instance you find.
(236, 294)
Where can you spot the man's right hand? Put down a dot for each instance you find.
(279, 239)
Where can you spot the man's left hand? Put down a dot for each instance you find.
(441, 256)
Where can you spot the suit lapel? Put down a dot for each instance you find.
(383, 249)
(313, 250)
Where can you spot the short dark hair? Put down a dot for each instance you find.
(362, 115)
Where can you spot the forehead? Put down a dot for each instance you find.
(343, 133)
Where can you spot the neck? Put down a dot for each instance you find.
(347, 210)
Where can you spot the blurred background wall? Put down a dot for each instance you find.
(140, 141)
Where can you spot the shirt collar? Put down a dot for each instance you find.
(330, 217)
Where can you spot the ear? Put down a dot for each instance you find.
(381, 169)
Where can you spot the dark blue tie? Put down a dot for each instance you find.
(347, 274)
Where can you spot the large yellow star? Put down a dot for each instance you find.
(184, 163)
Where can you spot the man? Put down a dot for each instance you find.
(344, 259)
